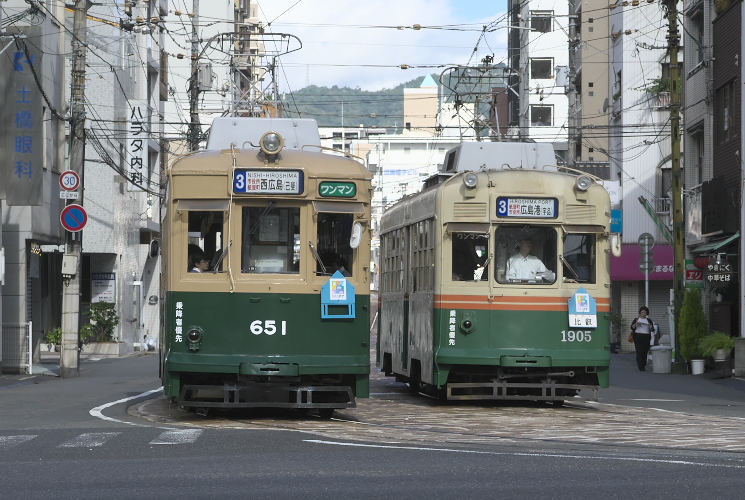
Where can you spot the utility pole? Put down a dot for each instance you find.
(523, 90)
(678, 235)
(571, 87)
(70, 355)
(194, 127)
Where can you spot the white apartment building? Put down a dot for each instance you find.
(640, 151)
(537, 50)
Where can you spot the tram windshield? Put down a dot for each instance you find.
(270, 240)
(470, 256)
(526, 254)
(205, 245)
(578, 259)
(333, 243)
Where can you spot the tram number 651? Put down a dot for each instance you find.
(268, 327)
(578, 336)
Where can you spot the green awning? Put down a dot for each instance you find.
(714, 245)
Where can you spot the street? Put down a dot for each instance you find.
(107, 434)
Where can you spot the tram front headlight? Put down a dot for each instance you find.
(470, 180)
(194, 335)
(272, 143)
(583, 183)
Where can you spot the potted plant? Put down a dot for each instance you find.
(53, 339)
(98, 336)
(692, 329)
(717, 344)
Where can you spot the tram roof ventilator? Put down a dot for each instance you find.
(475, 156)
(246, 132)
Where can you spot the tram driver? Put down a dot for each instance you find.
(523, 266)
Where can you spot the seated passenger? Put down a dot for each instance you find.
(523, 266)
(198, 262)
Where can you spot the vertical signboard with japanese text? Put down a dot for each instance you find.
(21, 113)
(137, 156)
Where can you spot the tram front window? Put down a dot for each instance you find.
(470, 256)
(205, 240)
(333, 243)
(578, 260)
(526, 254)
(270, 240)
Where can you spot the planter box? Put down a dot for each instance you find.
(106, 348)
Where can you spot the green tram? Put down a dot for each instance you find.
(494, 280)
(266, 256)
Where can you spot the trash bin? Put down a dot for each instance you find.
(662, 358)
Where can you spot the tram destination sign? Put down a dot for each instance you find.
(337, 189)
(268, 181)
(535, 208)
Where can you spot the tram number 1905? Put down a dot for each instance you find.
(578, 336)
(268, 327)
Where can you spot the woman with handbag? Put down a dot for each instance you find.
(642, 329)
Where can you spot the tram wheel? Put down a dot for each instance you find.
(326, 413)
(557, 403)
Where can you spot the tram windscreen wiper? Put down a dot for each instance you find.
(317, 257)
(566, 264)
(258, 221)
(223, 253)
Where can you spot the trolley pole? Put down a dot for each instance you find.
(678, 235)
(70, 355)
(194, 127)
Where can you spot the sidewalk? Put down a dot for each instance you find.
(49, 366)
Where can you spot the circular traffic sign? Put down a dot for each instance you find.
(69, 180)
(73, 218)
(646, 240)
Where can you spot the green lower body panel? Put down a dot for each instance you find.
(267, 350)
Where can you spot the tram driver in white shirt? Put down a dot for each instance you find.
(523, 266)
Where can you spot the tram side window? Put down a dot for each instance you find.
(270, 240)
(469, 256)
(205, 234)
(579, 258)
(526, 254)
(334, 234)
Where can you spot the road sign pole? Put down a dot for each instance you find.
(70, 355)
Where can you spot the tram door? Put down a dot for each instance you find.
(405, 277)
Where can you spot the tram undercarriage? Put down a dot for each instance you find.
(556, 385)
(268, 392)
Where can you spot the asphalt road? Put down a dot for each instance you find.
(102, 435)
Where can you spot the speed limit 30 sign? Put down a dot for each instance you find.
(69, 180)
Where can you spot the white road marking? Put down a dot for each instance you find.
(89, 440)
(658, 400)
(96, 412)
(518, 454)
(9, 441)
(179, 436)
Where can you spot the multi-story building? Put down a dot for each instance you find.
(713, 79)
(589, 110)
(123, 167)
(640, 154)
(537, 51)
(33, 78)
(120, 189)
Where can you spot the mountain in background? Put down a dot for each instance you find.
(382, 108)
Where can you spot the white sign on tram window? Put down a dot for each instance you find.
(538, 208)
(268, 181)
(103, 287)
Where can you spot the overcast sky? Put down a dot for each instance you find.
(346, 43)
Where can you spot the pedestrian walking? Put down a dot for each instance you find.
(642, 331)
